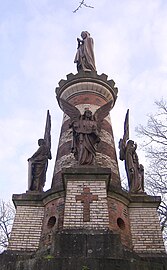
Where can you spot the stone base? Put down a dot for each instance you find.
(26, 230)
(87, 243)
(132, 216)
(79, 264)
(83, 250)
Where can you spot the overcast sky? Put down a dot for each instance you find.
(37, 49)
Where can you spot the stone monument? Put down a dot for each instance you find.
(86, 220)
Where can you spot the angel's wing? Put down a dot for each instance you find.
(126, 127)
(121, 146)
(69, 109)
(122, 142)
(102, 112)
(47, 135)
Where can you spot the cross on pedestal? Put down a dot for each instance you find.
(86, 198)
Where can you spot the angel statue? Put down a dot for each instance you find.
(134, 170)
(38, 163)
(86, 129)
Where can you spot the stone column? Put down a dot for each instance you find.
(86, 90)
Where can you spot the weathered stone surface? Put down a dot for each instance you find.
(83, 250)
(87, 243)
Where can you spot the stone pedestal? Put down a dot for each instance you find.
(27, 226)
(87, 244)
(145, 227)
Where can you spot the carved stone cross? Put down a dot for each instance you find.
(86, 198)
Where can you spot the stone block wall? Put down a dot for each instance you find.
(145, 229)
(26, 231)
(76, 216)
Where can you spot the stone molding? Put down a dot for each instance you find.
(86, 174)
(32, 199)
(87, 81)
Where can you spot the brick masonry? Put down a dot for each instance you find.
(26, 231)
(74, 208)
(91, 92)
(145, 229)
(119, 220)
(53, 220)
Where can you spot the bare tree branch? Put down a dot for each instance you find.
(81, 4)
(155, 143)
(7, 213)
